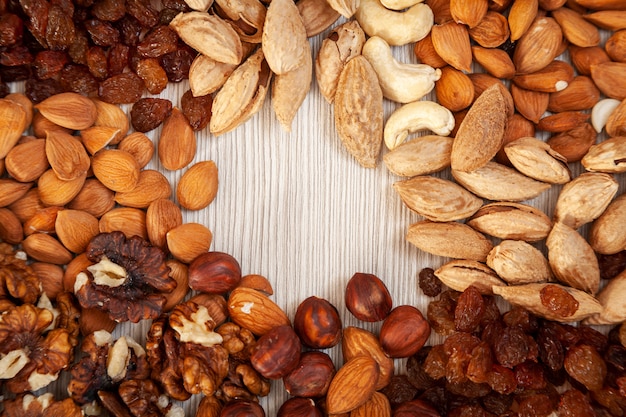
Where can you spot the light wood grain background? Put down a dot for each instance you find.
(298, 209)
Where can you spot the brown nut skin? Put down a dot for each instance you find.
(317, 323)
(299, 407)
(415, 408)
(404, 332)
(276, 353)
(242, 408)
(311, 377)
(368, 298)
(214, 273)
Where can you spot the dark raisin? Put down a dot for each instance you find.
(78, 79)
(615, 355)
(16, 73)
(152, 74)
(39, 90)
(530, 375)
(522, 318)
(592, 337)
(11, 29)
(130, 30)
(4, 89)
(480, 363)
(612, 265)
(415, 370)
(491, 332)
(37, 12)
(148, 113)
(117, 59)
(536, 406)
(399, 390)
(585, 365)
(178, 5)
(167, 15)
(557, 300)
(551, 351)
(611, 400)
(47, 64)
(67, 6)
(575, 404)
(78, 50)
(159, 41)
(440, 313)
(467, 389)
(429, 283)
(197, 109)
(60, 31)
(497, 403)
(97, 62)
(176, 64)
(16, 56)
(109, 10)
(120, 89)
(502, 379)
(102, 33)
(143, 12)
(567, 334)
(469, 310)
(512, 347)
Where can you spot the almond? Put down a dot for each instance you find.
(75, 229)
(521, 16)
(116, 169)
(161, 217)
(139, 146)
(177, 142)
(452, 43)
(23, 101)
(98, 137)
(584, 58)
(26, 206)
(94, 198)
(188, 241)
(11, 190)
(151, 186)
(45, 248)
(255, 311)
(41, 126)
(356, 342)
(480, 135)
(529, 103)
(555, 76)
(13, 118)
(43, 221)
(257, 282)
(353, 385)
(562, 122)
(66, 155)
(495, 61)
(517, 126)
(454, 89)
(460, 274)
(492, 31)
(420, 156)
(69, 110)
(511, 221)
(10, 227)
(580, 94)
(112, 116)
(602, 4)
(575, 143)
(534, 158)
(130, 221)
(441, 10)
(606, 235)
(518, 262)
(378, 406)
(468, 12)
(56, 192)
(576, 29)
(615, 46)
(616, 122)
(197, 187)
(180, 272)
(608, 19)
(27, 161)
(610, 78)
(425, 52)
(538, 46)
(50, 276)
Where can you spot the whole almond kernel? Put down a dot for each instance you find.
(521, 16)
(550, 5)
(94, 198)
(11, 190)
(129, 220)
(602, 4)
(197, 187)
(563, 121)
(555, 76)
(357, 341)
(77, 265)
(117, 170)
(495, 61)
(45, 248)
(43, 221)
(608, 19)
(378, 405)
(575, 143)
(161, 217)
(529, 103)
(256, 282)
(188, 241)
(94, 319)
(112, 116)
(67, 155)
(583, 58)
(95, 138)
(179, 272)
(255, 311)
(13, 118)
(454, 89)
(452, 43)
(23, 101)
(616, 122)
(441, 10)
(10, 227)
(69, 110)
(151, 186)
(27, 161)
(75, 229)
(425, 52)
(610, 78)
(138, 145)
(353, 385)
(26, 206)
(538, 46)
(51, 277)
(492, 31)
(615, 46)
(576, 29)
(177, 142)
(580, 94)
(41, 126)
(468, 12)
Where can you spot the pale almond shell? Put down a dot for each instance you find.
(608, 156)
(460, 274)
(518, 262)
(607, 234)
(511, 221)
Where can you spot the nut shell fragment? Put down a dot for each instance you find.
(460, 274)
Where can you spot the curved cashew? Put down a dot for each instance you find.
(399, 4)
(397, 28)
(400, 82)
(416, 116)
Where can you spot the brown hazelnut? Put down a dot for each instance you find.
(242, 408)
(276, 353)
(311, 377)
(214, 273)
(415, 408)
(367, 297)
(404, 332)
(299, 407)
(318, 324)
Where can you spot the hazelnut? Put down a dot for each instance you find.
(214, 273)
(242, 408)
(299, 407)
(404, 332)
(367, 297)
(311, 377)
(318, 324)
(276, 353)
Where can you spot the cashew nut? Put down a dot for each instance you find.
(601, 111)
(400, 82)
(399, 4)
(397, 28)
(416, 116)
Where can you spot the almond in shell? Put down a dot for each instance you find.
(536, 159)
(518, 262)
(611, 297)
(511, 221)
(461, 273)
(608, 156)
(607, 234)
(419, 156)
(284, 37)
